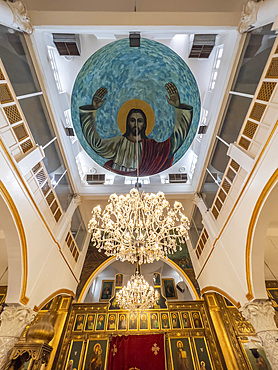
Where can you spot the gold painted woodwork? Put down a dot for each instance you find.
(12, 207)
(221, 292)
(58, 292)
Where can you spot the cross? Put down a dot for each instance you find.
(114, 349)
(155, 348)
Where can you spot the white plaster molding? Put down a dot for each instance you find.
(249, 15)
(21, 18)
(242, 158)
(261, 315)
(13, 321)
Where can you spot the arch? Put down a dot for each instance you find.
(18, 268)
(110, 260)
(252, 248)
(221, 292)
(53, 295)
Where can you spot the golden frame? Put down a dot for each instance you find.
(190, 346)
(94, 322)
(250, 367)
(201, 321)
(189, 318)
(126, 320)
(137, 322)
(195, 349)
(76, 316)
(174, 286)
(116, 320)
(86, 350)
(101, 291)
(104, 321)
(81, 353)
(147, 320)
(175, 313)
(158, 320)
(3, 298)
(167, 314)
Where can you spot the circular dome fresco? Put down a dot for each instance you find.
(135, 110)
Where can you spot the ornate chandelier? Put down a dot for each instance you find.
(137, 294)
(138, 227)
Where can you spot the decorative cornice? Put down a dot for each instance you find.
(21, 18)
(249, 15)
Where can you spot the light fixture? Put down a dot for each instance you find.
(137, 294)
(138, 227)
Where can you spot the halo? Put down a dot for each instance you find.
(136, 104)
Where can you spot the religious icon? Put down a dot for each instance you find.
(156, 278)
(100, 321)
(119, 151)
(74, 354)
(197, 320)
(273, 296)
(175, 320)
(202, 353)
(122, 322)
(165, 322)
(185, 320)
(133, 321)
(161, 301)
(169, 288)
(143, 321)
(113, 304)
(154, 321)
(79, 322)
(119, 280)
(106, 290)
(96, 355)
(181, 355)
(90, 322)
(111, 323)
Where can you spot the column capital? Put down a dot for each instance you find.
(261, 315)
(14, 319)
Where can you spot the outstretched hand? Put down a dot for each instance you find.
(98, 100)
(174, 97)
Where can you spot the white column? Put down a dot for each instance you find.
(208, 220)
(13, 322)
(242, 158)
(260, 314)
(63, 225)
(15, 15)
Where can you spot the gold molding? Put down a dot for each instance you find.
(240, 194)
(12, 207)
(221, 292)
(186, 278)
(255, 214)
(34, 204)
(109, 260)
(57, 292)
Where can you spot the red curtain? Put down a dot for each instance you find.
(142, 352)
